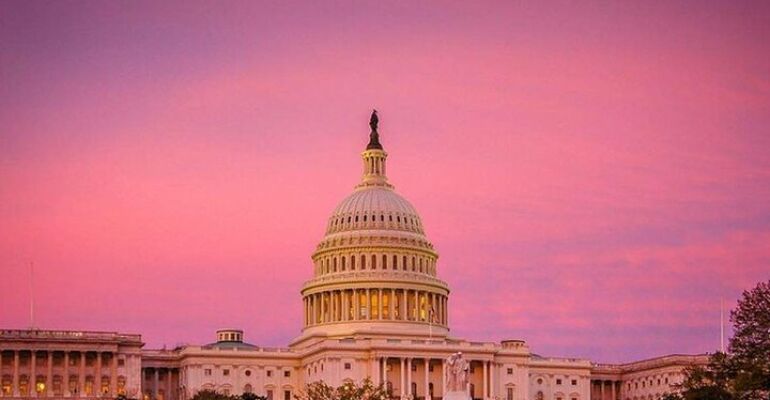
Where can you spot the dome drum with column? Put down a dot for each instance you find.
(375, 270)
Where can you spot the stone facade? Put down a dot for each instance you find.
(374, 307)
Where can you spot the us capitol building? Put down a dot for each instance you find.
(374, 307)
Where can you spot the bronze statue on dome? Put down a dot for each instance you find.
(374, 136)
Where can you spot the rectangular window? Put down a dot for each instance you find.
(269, 373)
(558, 382)
(287, 395)
(286, 374)
(509, 393)
(510, 371)
(207, 372)
(574, 382)
(225, 372)
(121, 362)
(347, 365)
(269, 394)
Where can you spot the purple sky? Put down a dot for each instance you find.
(594, 176)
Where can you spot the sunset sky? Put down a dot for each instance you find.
(594, 176)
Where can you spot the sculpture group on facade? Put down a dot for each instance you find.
(456, 377)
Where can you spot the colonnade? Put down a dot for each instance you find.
(59, 373)
(154, 389)
(409, 369)
(369, 304)
(602, 389)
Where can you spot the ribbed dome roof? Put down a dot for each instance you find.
(376, 199)
(374, 207)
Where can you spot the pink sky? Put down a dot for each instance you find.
(594, 177)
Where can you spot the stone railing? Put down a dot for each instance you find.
(355, 276)
(35, 334)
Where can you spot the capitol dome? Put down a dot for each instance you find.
(374, 269)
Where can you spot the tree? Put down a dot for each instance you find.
(744, 373)
(749, 359)
(208, 394)
(252, 396)
(348, 391)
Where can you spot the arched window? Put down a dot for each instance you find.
(353, 263)
(248, 388)
(335, 265)
(374, 261)
(363, 261)
(395, 262)
(414, 261)
(384, 261)
(414, 390)
(403, 264)
(364, 217)
(382, 217)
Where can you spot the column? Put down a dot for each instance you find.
(66, 377)
(416, 305)
(446, 311)
(392, 304)
(613, 389)
(156, 383)
(379, 304)
(433, 316)
(98, 377)
(404, 309)
(443, 377)
(409, 377)
(492, 375)
(332, 306)
(168, 384)
(485, 376)
(32, 381)
(114, 375)
(49, 375)
(16, 373)
(402, 388)
(82, 375)
(385, 371)
(356, 305)
(427, 378)
(603, 395)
